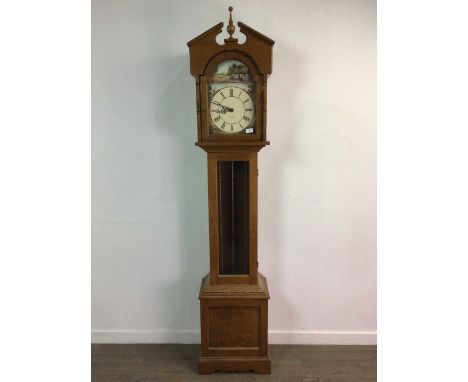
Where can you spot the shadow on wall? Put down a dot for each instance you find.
(176, 116)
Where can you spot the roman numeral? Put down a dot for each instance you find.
(246, 118)
(232, 127)
(222, 127)
(222, 94)
(231, 92)
(248, 109)
(217, 118)
(247, 100)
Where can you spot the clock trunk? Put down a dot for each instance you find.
(232, 203)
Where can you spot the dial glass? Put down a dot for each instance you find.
(231, 94)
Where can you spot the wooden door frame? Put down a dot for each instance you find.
(213, 159)
(205, 118)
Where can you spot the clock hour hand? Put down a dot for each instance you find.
(219, 111)
(225, 108)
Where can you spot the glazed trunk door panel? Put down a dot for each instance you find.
(233, 217)
(232, 189)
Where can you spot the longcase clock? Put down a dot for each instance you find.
(231, 95)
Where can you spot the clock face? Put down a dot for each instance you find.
(232, 109)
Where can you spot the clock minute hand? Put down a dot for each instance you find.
(224, 107)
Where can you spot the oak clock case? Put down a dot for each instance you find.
(231, 86)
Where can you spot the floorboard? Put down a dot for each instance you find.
(177, 363)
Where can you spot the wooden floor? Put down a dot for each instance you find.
(177, 363)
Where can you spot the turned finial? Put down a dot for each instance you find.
(230, 28)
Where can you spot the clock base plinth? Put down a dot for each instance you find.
(210, 365)
(234, 327)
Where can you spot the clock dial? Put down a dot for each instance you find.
(232, 109)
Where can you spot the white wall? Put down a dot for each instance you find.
(317, 184)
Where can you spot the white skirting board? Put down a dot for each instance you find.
(318, 337)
